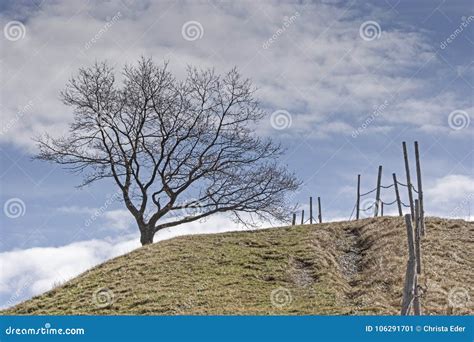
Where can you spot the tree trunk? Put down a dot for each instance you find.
(146, 235)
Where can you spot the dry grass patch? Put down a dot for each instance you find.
(334, 268)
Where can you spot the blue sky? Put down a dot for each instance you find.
(347, 98)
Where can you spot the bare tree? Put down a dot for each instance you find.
(178, 150)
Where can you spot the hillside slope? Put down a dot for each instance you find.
(352, 267)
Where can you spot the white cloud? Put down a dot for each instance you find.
(451, 196)
(120, 219)
(315, 69)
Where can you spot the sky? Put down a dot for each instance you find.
(343, 84)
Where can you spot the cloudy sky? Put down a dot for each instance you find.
(343, 83)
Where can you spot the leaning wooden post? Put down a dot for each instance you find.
(407, 171)
(293, 222)
(311, 210)
(358, 197)
(397, 195)
(416, 299)
(320, 215)
(302, 216)
(418, 236)
(420, 190)
(377, 196)
(410, 275)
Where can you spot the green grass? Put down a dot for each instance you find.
(334, 268)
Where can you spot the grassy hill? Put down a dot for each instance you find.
(352, 267)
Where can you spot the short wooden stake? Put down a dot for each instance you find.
(377, 196)
(302, 216)
(311, 210)
(407, 171)
(293, 221)
(320, 215)
(397, 194)
(358, 197)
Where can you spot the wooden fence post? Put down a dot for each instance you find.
(416, 299)
(397, 194)
(302, 216)
(418, 236)
(410, 276)
(377, 196)
(420, 189)
(381, 208)
(358, 197)
(320, 216)
(311, 210)
(293, 221)
(407, 171)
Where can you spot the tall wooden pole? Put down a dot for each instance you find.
(311, 210)
(302, 216)
(410, 276)
(417, 237)
(407, 171)
(397, 194)
(358, 197)
(420, 189)
(320, 216)
(377, 196)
